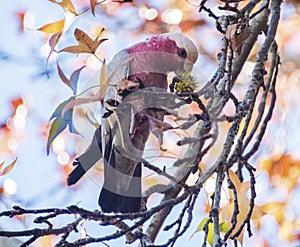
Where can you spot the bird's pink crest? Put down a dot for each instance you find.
(156, 43)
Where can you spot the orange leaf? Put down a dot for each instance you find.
(93, 5)
(54, 27)
(275, 208)
(20, 18)
(7, 169)
(15, 103)
(66, 5)
(284, 171)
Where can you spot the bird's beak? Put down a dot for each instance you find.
(188, 66)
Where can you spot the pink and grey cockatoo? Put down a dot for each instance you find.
(147, 65)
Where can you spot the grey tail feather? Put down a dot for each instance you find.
(110, 201)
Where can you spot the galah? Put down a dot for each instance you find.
(143, 65)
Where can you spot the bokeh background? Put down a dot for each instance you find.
(30, 91)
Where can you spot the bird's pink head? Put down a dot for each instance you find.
(154, 58)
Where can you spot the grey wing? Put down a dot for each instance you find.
(118, 68)
(86, 160)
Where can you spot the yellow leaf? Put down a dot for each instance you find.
(66, 5)
(100, 34)
(202, 224)
(46, 241)
(275, 208)
(103, 82)
(289, 231)
(224, 227)
(54, 27)
(210, 233)
(7, 169)
(243, 202)
(283, 171)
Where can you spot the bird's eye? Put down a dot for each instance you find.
(182, 52)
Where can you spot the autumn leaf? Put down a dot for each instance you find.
(224, 227)
(275, 208)
(46, 241)
(210, 234)
(66, 115)
(67, 5)
(61, 121)
(283, 171)
(7, 169)
(63, 77)
(15, 103)
(52, 43)
(237, 35)
(77, 102)
(74, 79)
(58, 125)
(58, 111)
(243, 203)
(72, 82)
(54, 27)
(59, 27)
(54, 39)
(126, 85)
(99, 97)
(20, 18)
(105, 82)
(93, 5)
(85, 43)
